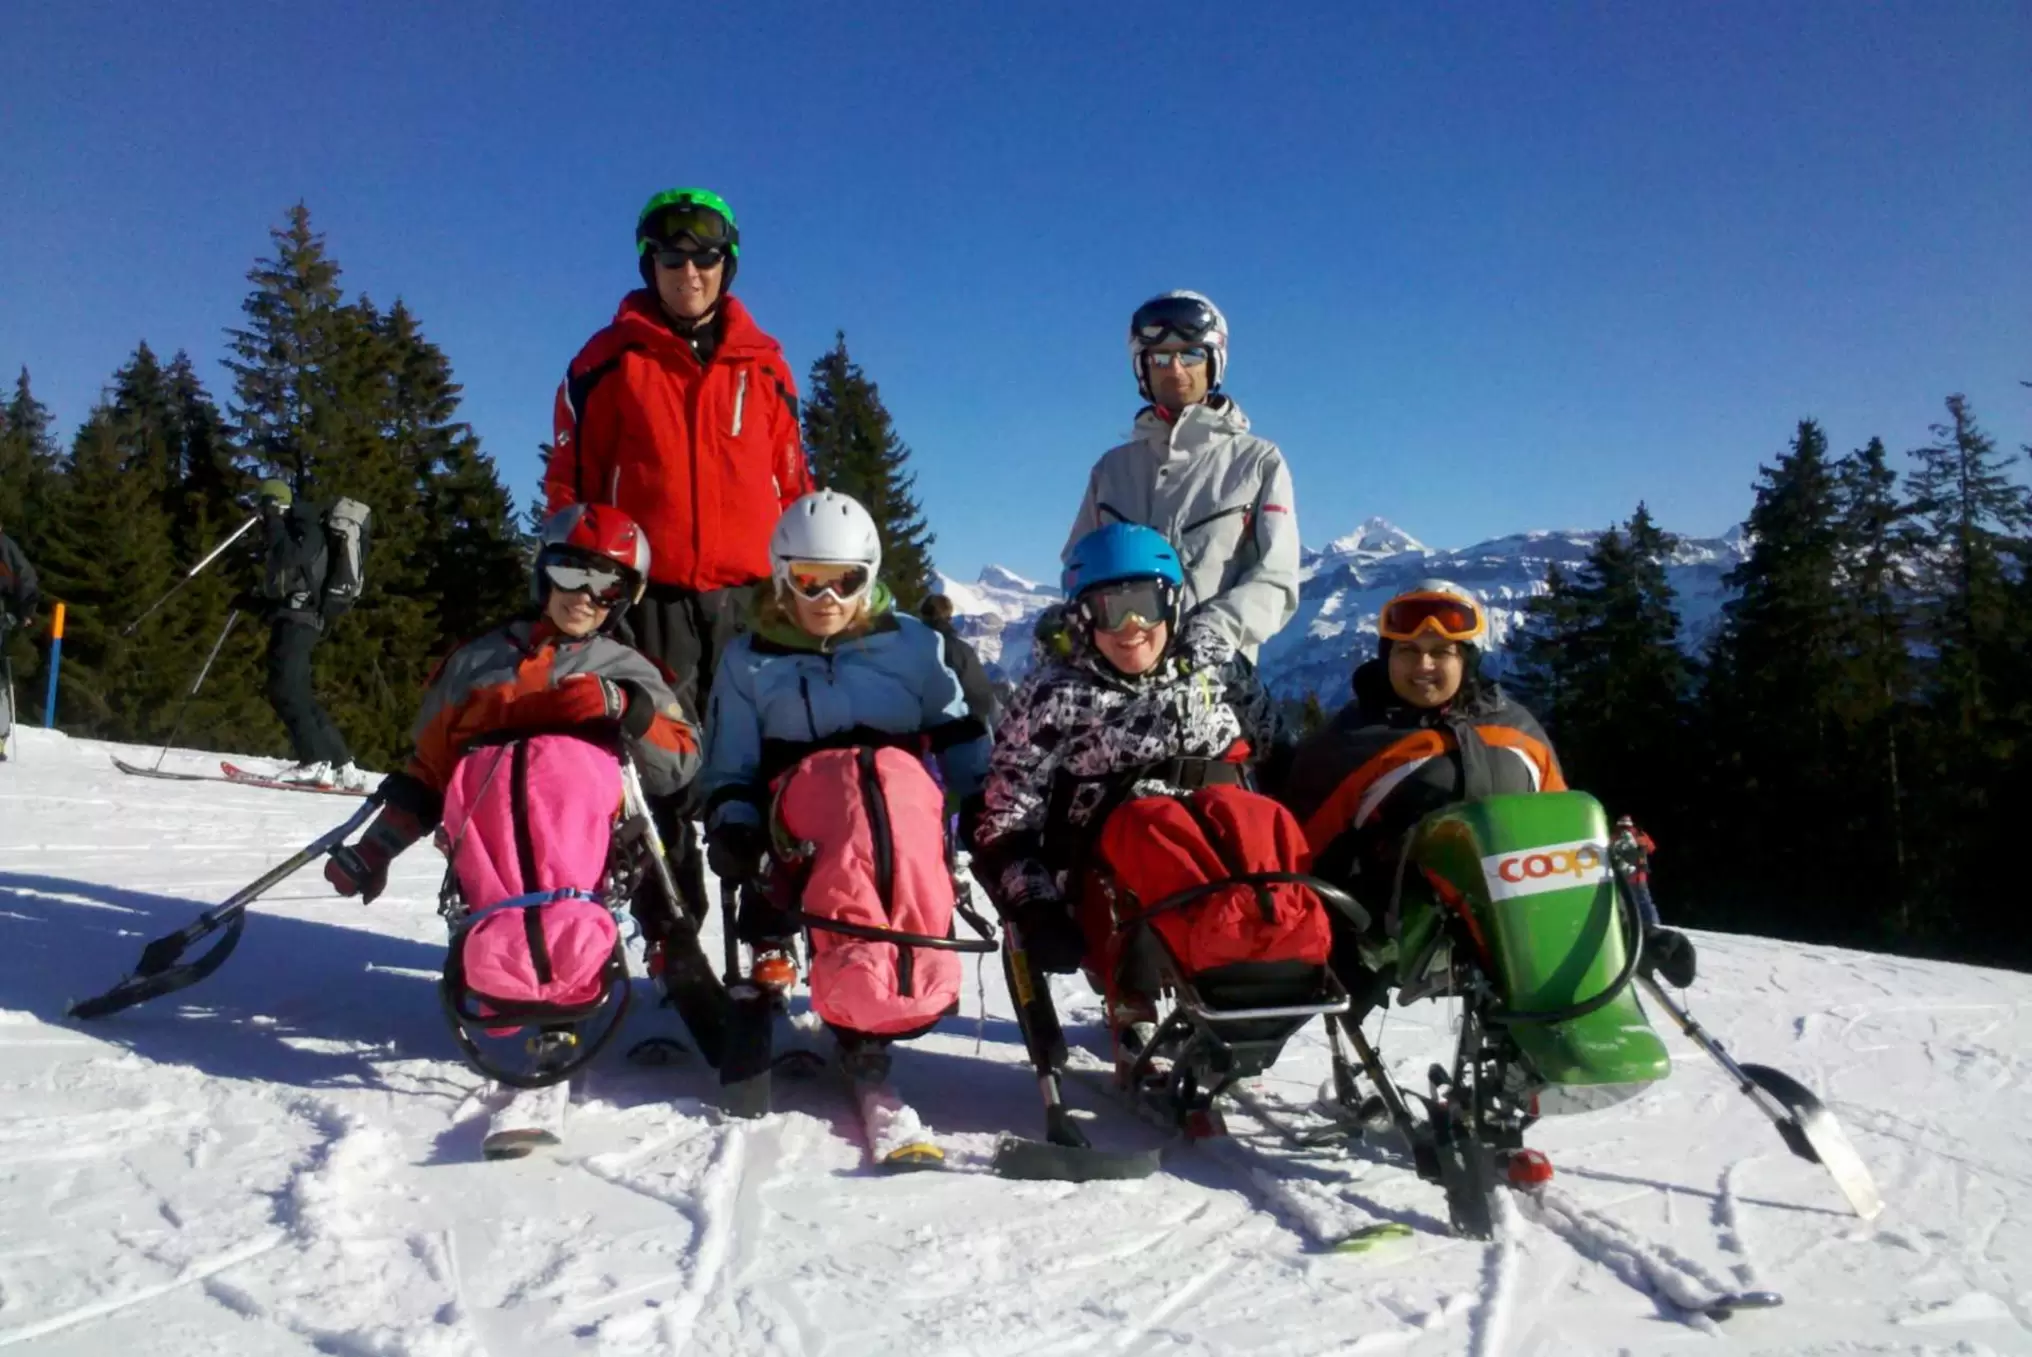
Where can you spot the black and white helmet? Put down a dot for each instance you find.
(1179, 317)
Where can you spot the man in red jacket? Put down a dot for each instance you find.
(682, 413)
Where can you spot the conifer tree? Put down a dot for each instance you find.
(1603, 647)
(1873, 690)
(287, 358)
(1963, 540)
(1771, 699)
(106, 551)
(1966, 516)
(28, 462)
(475, 573)
(855, 450)
(28, 485)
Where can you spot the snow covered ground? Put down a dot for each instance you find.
(285, 1159)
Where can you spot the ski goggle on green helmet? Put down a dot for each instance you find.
(696, 212)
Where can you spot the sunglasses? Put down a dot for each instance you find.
(1164, 358)
(1452, 619)
(607, 587)
(1111, 607)
(675, 257)
(1172, 317)
(813, 580)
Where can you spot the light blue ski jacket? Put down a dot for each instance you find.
(781, 695)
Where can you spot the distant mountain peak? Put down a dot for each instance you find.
(1376, 538)
(1001, 577)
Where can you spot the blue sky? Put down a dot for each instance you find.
(1488, 267)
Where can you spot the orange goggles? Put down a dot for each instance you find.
(1451, 618)
(813, 580)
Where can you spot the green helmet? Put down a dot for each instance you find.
(688, 211)
(696, 212)
(275, 490)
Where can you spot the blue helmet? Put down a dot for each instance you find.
(1120, 551)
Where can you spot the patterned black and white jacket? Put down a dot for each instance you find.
(1077, 737)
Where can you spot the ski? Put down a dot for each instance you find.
(531, 1119)
(235, 773)
(136, 770)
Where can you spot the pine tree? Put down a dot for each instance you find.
(1872, 697)
(476, 572)
(1600, 654)
(1964, 540)
(285, 361)
(28, 486)
(1768, 699)
(1966, 516)
(28, 462)
(855, 450)
(106, 552)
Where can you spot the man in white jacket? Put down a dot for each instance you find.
(1195, 473)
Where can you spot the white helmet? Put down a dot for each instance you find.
(1188, 317)
(824, 526)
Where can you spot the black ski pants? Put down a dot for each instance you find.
(312, 736)
(688, 633)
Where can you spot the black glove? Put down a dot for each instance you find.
(972, 808)
(247, 601)
(1669, 954)
(734, 851)
(1051, 939)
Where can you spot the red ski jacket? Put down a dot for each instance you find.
(704, 458)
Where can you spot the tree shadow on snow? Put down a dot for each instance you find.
(302, 1003)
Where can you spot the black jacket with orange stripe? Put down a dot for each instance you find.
(1382, 765)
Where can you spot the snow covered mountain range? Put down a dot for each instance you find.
(1345, 584)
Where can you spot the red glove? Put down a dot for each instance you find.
(576, 700)
(362, 869)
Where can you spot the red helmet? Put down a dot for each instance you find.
(598, 532)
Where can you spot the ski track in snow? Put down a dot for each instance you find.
(285, 1160)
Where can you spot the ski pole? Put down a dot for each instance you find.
(157, 973)
(191, 574)
(197, 683)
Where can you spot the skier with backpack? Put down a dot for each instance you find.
(312, 573)
(1121, 778)
(522, 753)
(818, 799)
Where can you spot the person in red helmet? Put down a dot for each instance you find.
(560, 670)
(683, 414)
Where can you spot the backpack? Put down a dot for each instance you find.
(528, 827)
(347, 539)
(870, 830)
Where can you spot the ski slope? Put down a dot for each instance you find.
(285, 1159)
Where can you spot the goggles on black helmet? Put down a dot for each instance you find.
(1112, 606)
(1183, 318)
(696, 220)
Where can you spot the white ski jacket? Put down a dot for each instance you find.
(1223, 497)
